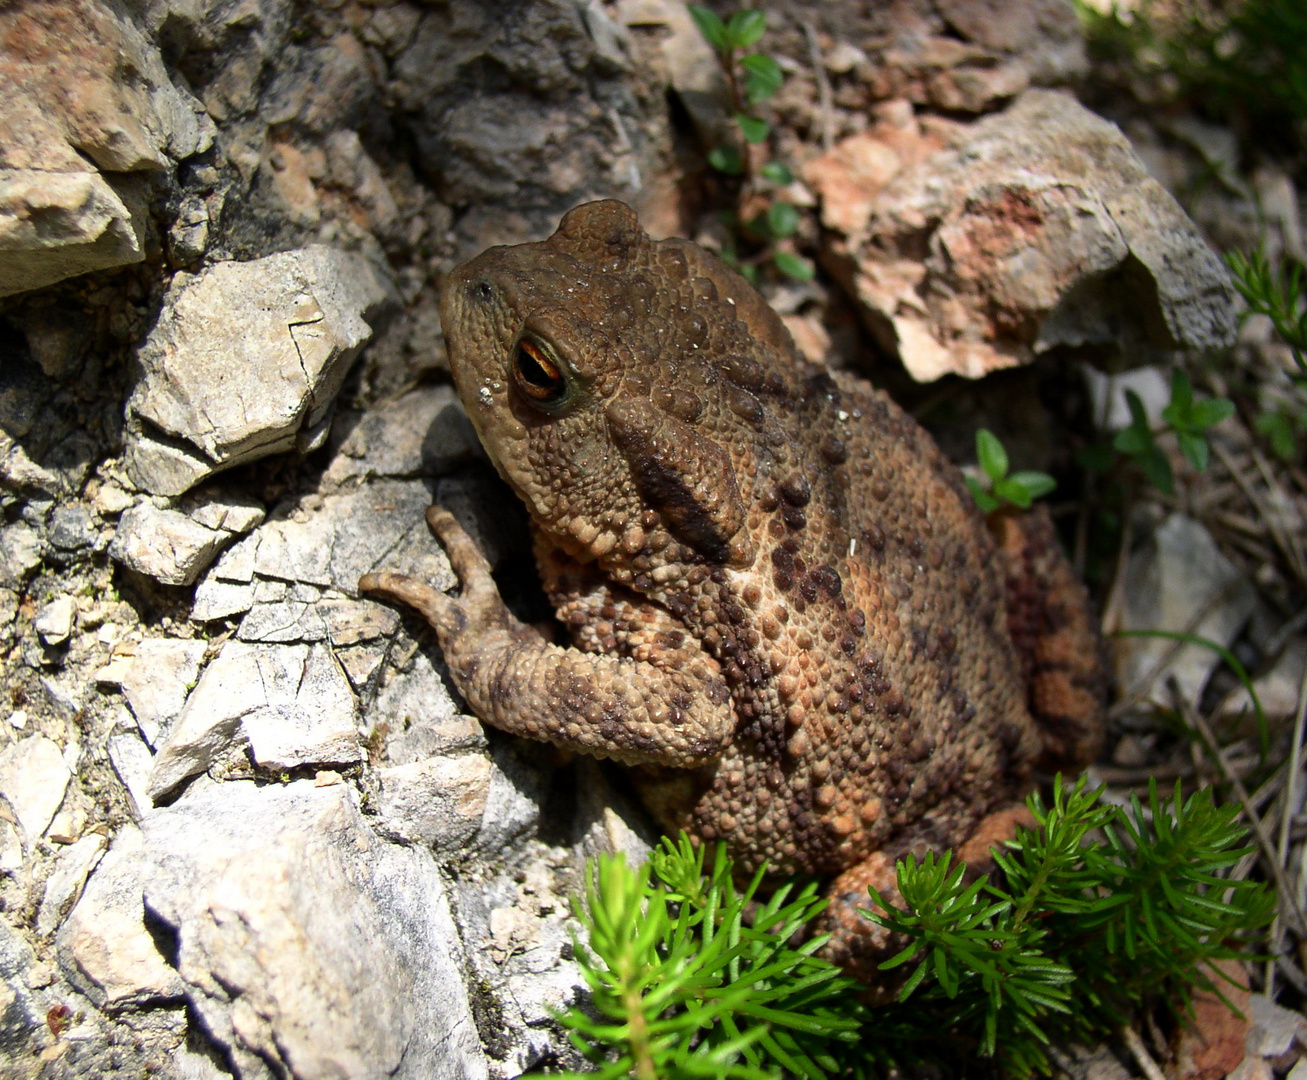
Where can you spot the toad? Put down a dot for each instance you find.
(785, 611)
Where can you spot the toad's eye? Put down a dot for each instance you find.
(538, 375)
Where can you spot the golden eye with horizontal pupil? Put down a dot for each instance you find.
(538, 376)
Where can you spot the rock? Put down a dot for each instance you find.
(33, 778)
(83, 84)
(437, 802)
(164, 544)
(379, 526)
(235, 513)
(19, 1017)
(54, 622)
(1277, 690)
(1041, 228)
(1212, 1044)
(1274, 1028)
(20, 553)
(290, 704)
(217, 599)
(517, 791)
(1150, 384)
(340, 621)
(155, 680)
(424, 433)
(1179, 581)
(64, 885)
(307, 945)
(132, 762)
(421, 717)
(245, 361)
(104, 946)
(55, 225)
(72, 528)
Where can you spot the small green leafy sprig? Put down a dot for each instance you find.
(684, 987)
(752, 79)
(1094, 914)
(1187, 418)
(762, 77)
(1020, 489)
(1278, 294)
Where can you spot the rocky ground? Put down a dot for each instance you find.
(227, 779)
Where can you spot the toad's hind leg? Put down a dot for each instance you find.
(1052, 624)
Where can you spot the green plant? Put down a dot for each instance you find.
(1278, 294)
(1019, 488)
(685, 987)
(752, 79)
(1093, 915)
(1187, 419)
(1244, 62)
(1283, 428)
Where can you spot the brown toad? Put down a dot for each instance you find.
(785, 609)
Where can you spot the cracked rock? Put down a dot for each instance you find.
(155, 679)
(1040, 228)
(245, 361)
(165, 544)
(308, 945)
(290, 705)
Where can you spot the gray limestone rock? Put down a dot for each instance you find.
(104, 947)
(19, 1017)
(437, 802)
(290, 705)
(87, 86)
(245, 361)
(155, 679)
(305, 942)
(165, 544)
(64, 885)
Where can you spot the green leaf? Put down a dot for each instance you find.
(991, 454)
(983, 498)
(1211, 411)
(1194, 447)
(762, 78)
(752, 128)
(1279, 432)
(710, 26)
(782, 219)
(726, 159)
(745, 28)
(1037, 484)
(777, 172)
(1010, 491)
(793, 266)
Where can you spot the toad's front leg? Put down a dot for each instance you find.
(676, 711)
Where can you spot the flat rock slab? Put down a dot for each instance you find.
(290, 705)
(1040, 227)
(245, 361)
(307, 943)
